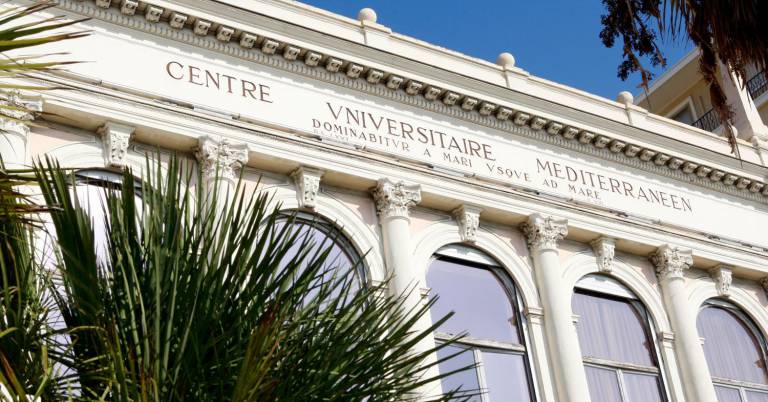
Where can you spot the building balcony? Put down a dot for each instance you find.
(708, 121)
(758, 84)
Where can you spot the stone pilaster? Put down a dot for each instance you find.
(671, 262)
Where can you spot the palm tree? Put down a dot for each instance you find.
(188, 297)
(196, 299)
(25, 369)
(730, 32)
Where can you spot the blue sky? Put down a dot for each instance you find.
(554, 39)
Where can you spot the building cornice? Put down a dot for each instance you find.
(214, 35)
(183, 126)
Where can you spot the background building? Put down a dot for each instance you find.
(594, 250)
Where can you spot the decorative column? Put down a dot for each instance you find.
(220, 162)
(393, 203)
(15, 114)
(671, 262)
(543, 234)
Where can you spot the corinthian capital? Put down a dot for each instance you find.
(222, 155)
(543, 232)
(671, 261)
(395, 199)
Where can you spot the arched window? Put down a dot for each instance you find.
(735, 352)
(617, 343)
(342, 256)
(487, 309)
(91, 187)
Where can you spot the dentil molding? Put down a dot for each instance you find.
(217, 36)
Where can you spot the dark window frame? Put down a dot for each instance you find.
(649, 328)
(477, 346)
(741, 386)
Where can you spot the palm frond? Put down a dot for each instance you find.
(199, 300)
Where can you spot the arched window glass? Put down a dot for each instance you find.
(90, 188)
(485, 307)
(735, 352)
(322, 234)
(617, 345)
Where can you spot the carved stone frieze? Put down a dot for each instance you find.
(723, 277)
(395, 199)
(468, 218)
(307, 181)
(116, 138)
(222, 156)
(731, 183)
(671, 261)
(544, 232)
(605, 251)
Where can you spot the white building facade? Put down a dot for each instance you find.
(592, 250)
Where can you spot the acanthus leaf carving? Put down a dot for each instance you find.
(116, 138)
(605, 251)
(468, 218)
(671, 261)
(17, 112)
(723, 277)
(307, 181)
(222, 156)
(544, 232)
(395, 199)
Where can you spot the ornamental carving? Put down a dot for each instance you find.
(395, 199)
(468, 218)
(764, 284)
(16, 112)
(307, 182)
(544, 232)
(605, 250)
(671, 261)
(116, 139)
(723, 276)
(223, 157)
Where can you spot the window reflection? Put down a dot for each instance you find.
(735, 352)
(321, 236)
(483, 301)
(616, 343)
